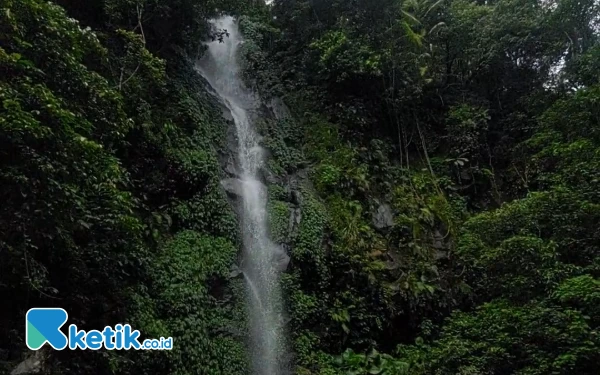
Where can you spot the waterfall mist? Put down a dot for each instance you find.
(262, 257)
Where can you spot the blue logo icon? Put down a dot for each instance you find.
(42, 325)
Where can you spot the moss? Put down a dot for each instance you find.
(207, 212)
(190, 266)
(307, 244)
(278, 193)
(279, 213)
(194, 166)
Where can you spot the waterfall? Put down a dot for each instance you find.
(262, 257)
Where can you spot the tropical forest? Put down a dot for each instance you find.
(307, 187)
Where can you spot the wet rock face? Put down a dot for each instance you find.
(279, 109)
(31, 365)
(294, 220)
(280, 259)
(269, 177)
(231, 168)
(384, 217)
(233, 186)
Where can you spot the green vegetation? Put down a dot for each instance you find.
(110, 179)
(437, 183)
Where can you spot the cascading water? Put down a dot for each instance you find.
(262, 257)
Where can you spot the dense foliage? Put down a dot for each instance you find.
(475, 122)
(436, 182)
(110, 180)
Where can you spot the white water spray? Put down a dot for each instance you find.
(267, 340)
